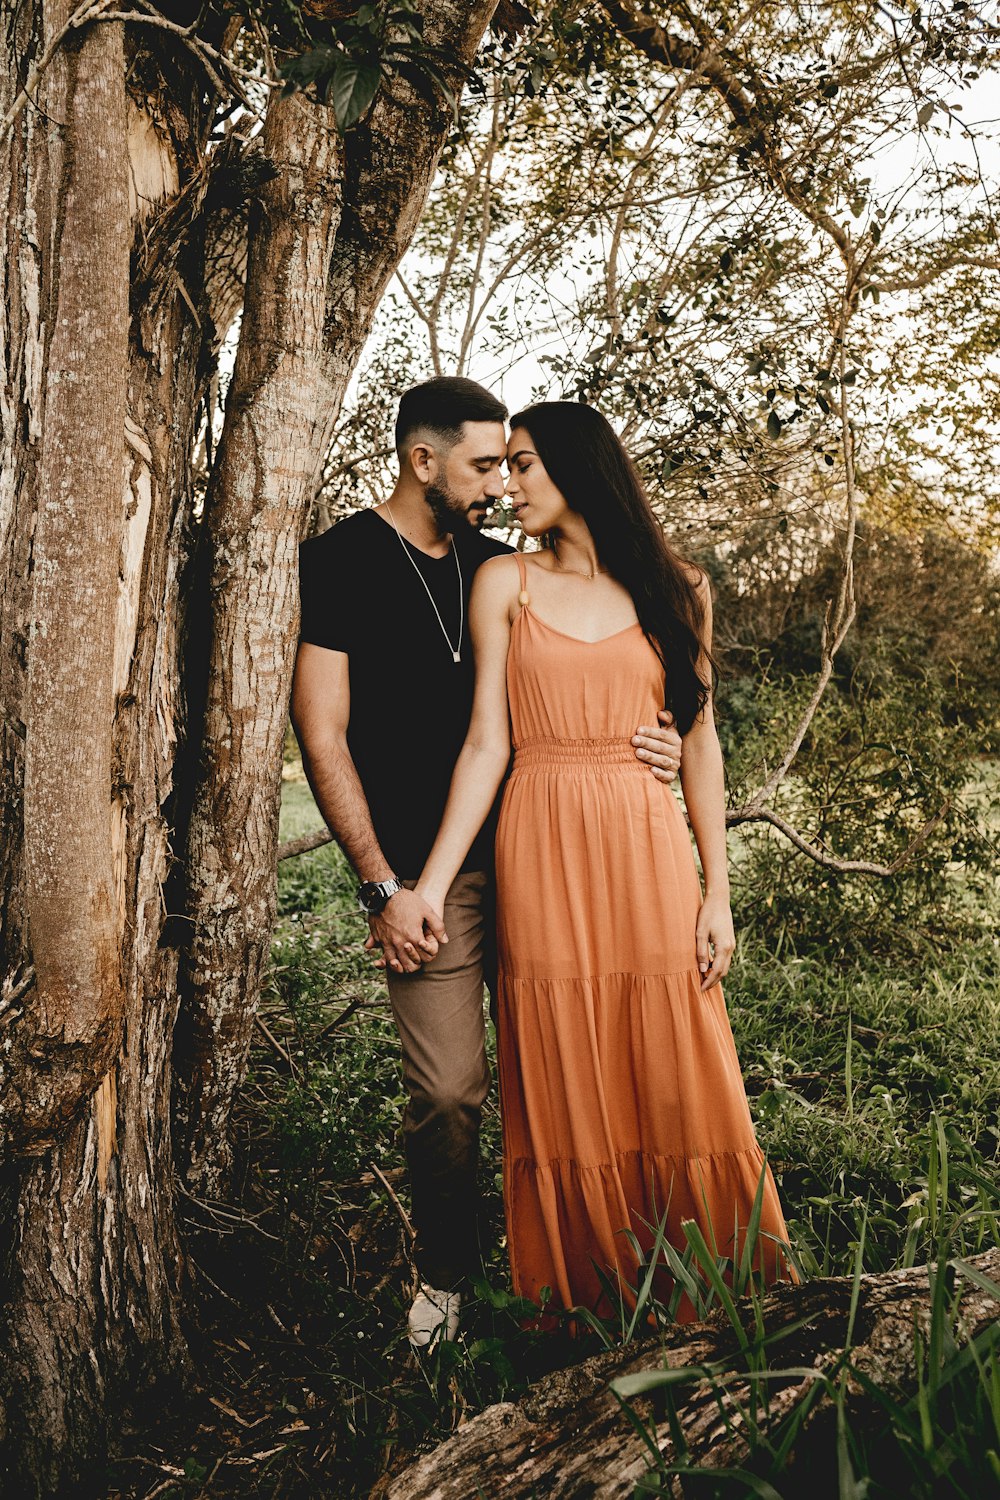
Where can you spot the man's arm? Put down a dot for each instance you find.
(659, 745)
(408, 930)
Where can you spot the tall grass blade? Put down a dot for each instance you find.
(847, 1484)
(640, 1428)
(859, 1261)
(643, 1381)
(938, 1126)
(753, 1483)
(932, 1185)
(679, 1265)
(594, 1323)
(711, 1270)
(978, 1278)
(645, 1292)
(752, 1235)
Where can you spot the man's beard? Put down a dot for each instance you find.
(446, 510)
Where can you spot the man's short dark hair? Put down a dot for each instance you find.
(441, 406)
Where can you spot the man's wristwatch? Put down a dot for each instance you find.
(374, 895)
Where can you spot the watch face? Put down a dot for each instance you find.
(374, 897)
(370, 897)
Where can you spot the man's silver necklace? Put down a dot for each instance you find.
(456, 651)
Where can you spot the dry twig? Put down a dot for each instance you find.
(411, 1233)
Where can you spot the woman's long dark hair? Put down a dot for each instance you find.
(586, 461)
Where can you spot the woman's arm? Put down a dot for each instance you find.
(483, 759)
(705, 798)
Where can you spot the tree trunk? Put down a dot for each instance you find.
(275, 434)
(570, 1438)
(76, 298)
(98, 419)
(331, 232)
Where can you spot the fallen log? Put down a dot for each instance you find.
(569, 1437)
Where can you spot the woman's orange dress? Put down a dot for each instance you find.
(621, 1091)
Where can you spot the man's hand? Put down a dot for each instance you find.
(659, 747)
(408, 931)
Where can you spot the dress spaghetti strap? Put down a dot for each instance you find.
(523, 597)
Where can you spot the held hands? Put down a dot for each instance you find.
(659, 747)
(409, 932)
(715, 940)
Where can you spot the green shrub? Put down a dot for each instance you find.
(877, 780)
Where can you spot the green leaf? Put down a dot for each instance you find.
(304, 70)
(351, 89)
(708, 1266)
(985, 1283)
(773, 425)
(751, 1484)
(925, 112)
(627, 1386)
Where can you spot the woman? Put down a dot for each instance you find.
(621, 1092)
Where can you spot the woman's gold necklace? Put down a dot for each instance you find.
(598, 572)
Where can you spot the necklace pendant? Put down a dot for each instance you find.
(456, 656)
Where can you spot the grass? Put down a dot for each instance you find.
(875, 1088)
(943, 1441)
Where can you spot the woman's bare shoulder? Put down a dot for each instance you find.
(503, 565)
(497, 573)
(496, 585)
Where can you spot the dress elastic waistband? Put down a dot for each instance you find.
(550, 751)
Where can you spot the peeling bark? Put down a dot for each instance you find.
(569, 1438)
(78, 299)
(91, 1312)
(71, 897)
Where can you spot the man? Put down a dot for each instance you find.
(381, 703)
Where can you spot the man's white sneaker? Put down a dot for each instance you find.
(433, 1317)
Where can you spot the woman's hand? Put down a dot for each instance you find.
(409, 932)
(433, 898)
(715, 940)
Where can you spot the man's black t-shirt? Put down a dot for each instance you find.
(410, 701)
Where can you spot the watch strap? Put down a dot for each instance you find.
(374, 895)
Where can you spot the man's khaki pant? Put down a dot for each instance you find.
(439, 1016)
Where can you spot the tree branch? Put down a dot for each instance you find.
(917, 283)
(840, 616)
(754, 813)
(567, 1435)
(304, 844)
(744, 104)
